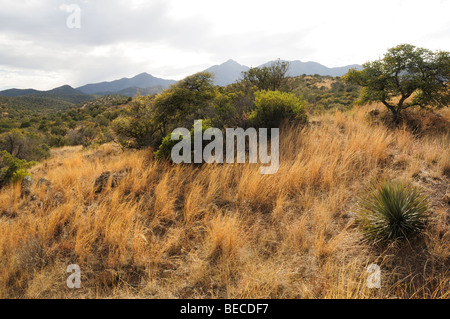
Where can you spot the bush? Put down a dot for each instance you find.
(392, 211)
(12, 169)
(24, 145)
(164, 151)
(274, 107)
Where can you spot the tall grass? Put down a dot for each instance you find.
(224, 231)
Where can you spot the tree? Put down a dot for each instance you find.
(151, 118)
(406, 76)
(185, 101)
(138, 129)
(272, 77)
(24, 145)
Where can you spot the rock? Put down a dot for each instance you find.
(25, 186)
(102, 180)
(446, 198)
(45, 182)
(58, 198)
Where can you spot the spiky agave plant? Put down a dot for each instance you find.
(392, 211)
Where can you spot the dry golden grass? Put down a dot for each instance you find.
(225, 231)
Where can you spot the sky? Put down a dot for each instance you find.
(49, 43)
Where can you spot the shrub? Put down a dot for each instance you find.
(165, 149)
(24, 145)
(12, 169)
(392, 211)
(19, 175)
(274, 107)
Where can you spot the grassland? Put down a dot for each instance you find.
(225, 231)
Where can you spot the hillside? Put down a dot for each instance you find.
(29, 101)
(225, 231)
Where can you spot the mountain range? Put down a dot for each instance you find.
(224, 74)
(141, 81)
(64, 93)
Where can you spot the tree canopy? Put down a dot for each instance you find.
(272, 77)
(406, 76)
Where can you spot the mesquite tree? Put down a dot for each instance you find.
(406, 76)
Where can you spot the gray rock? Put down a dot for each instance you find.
(102, 180)
(43, 182)
(25, 186)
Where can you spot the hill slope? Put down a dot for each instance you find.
(226, 231)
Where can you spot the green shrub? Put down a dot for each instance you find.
(274, 107)
(19, 175)
(165, 149)
(12, 169)
(392, 211)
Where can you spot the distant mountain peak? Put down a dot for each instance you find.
(143, 74)
(230, 61)
(227, 72)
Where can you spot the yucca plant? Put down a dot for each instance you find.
(392, 211)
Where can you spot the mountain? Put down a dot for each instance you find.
(227, 72)
(141, 81)
(133, 91)
(19, 92)
(64, 93)
(64, 90)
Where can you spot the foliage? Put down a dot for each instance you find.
(184, 102)
(151, 118)
(406, 76)
(138, 127)
(165, 149)
(274, 107)
(272, 77)
(231, 106)
(24, 144)
(324, 93)
(392, 211)
(12, 169)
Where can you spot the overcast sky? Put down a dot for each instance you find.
(174, 38)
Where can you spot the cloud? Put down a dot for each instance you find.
(174, 38)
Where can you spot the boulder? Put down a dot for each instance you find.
(25, 186)
(102, 180)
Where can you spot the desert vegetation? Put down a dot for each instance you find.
(355, 187)
(225, 231)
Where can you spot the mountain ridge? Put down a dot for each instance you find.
(226, 73)
(141, 81)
